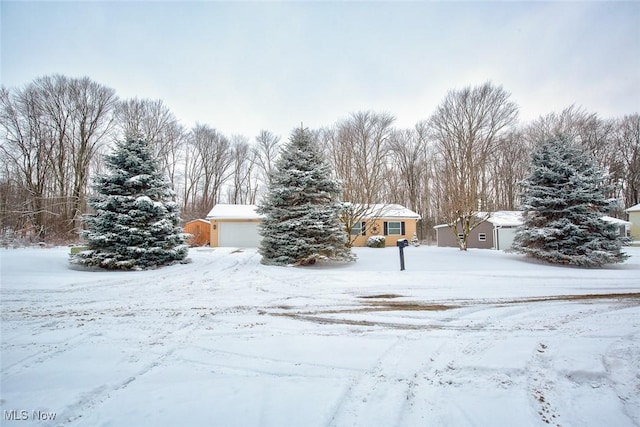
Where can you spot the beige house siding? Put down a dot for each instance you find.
(634, 218)
(376, 228)
(215, 227)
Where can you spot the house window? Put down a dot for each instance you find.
(482, 237)
(460, 237)
(358, 229)
(394, 228)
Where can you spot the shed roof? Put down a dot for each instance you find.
(506, 218)
(228, 211)
(498, 218)
(198, 220)
(514, 219)
(635, 208)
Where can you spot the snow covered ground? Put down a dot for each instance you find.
(481, 338)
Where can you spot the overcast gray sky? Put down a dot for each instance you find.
(242, 67)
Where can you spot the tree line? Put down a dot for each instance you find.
(467, 156)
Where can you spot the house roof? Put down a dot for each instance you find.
(225, 211)
(635, 208)
(616, 221)
(380, 210)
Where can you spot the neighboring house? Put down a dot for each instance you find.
(200, 230)
(498, 231)
(237, 225)
(392, 221)
(234, 226)
(634, 219)
(624, 227)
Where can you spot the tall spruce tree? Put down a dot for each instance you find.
(301, 207)
(135, 224)
(563, 203)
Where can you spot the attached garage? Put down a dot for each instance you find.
(234, 226)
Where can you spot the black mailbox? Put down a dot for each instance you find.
(401, 244)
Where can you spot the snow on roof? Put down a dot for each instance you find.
(380, 210)
(635, 208)
(514, 219)
(506, 218)
(224, 211)
(497, 218)
(197, 220)
(616, 221)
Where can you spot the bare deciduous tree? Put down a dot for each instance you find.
(208, 164)
(265, 153)
(359, 150)
(627, 143)
(54, 127)
(153, 121)
(508, 167)
(242, 189)
(466, 128)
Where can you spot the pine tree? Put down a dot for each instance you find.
(301, 208)
(563, 202)
(135, 224)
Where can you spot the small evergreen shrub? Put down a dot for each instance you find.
(376, 242)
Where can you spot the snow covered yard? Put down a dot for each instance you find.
(481, 338)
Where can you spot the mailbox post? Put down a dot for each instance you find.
(402, 243)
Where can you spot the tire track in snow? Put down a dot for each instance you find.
(74, 412)
(622, 365)
(389, 383)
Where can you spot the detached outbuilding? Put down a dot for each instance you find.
(495, 232)
(234, 226)
(200, 232)
(498, 230)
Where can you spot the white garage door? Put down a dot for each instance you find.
(239, 234)
(505, 237)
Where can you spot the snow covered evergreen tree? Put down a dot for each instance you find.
(563, 202)
(301, 208)
(135, 224)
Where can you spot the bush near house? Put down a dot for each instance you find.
(376, 242)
